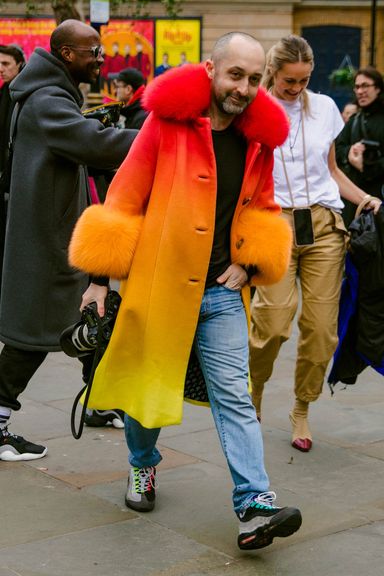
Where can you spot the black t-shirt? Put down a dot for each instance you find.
(230, 151)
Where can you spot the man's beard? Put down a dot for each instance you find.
(230, 107)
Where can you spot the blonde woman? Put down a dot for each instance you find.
(308, 186)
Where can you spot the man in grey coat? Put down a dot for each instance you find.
(48, 191)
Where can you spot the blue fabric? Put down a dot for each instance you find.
(347, 311)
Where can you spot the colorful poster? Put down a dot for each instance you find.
(127, 44)
(29, 33)
(179, 40)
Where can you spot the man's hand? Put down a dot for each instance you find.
(95, 293)
(355, 155)
(234, 278)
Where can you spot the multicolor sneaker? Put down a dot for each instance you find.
(141, 494)
(14, 448)
(97, 418)
(261, 521)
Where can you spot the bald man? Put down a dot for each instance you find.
(194, 199)
(54, 144)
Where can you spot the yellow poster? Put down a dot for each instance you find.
(178, 41)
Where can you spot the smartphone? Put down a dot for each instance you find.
(302, 226)
(372, 152)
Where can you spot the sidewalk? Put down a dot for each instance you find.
(64, 515)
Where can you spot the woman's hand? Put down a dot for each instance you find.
(374, 204)
(95, 293)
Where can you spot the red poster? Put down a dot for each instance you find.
(29, 33)
(127, 43)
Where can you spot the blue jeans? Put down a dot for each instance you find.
(221, 344)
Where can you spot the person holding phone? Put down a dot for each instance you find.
(308, 185)
(360, 145)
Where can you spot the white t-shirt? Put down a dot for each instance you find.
(321, 126)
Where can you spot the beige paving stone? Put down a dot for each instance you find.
(99, 456)
(376, 450)
(35, 507)
(135, 547)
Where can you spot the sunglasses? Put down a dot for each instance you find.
(96, 51)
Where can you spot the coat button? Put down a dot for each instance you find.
(239, 243)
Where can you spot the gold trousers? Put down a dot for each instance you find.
(318, 269)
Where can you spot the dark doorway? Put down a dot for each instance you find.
(331, 46)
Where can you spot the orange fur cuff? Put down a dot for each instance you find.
(104, 241)
(263, 239)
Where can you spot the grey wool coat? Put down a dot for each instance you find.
(40, 293)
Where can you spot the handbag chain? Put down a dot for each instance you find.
(305, 165)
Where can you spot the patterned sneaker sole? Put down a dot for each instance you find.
(10, 456)
(283, 524)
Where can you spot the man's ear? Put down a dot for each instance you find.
(66, 54)
(210, 68)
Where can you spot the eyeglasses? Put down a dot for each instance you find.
(363, 86)
(96, 51)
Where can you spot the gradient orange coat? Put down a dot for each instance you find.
(155, 232)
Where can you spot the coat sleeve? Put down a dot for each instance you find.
(106, 235)
(68, 134)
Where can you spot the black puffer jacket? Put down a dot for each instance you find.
(367, 124)
(134, 115)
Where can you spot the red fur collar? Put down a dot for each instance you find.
(184, 93)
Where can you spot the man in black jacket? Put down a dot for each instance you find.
(360, 145)
(11, 63)
(130, 85)
(49, 190)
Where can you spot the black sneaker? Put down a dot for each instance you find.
(261, 521)
(141, 494)
(14, 448)
(99, 418)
